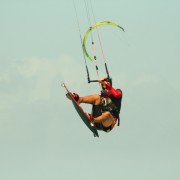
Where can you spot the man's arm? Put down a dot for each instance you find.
(111, 90)
(117, 93)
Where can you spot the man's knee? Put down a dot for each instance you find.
(108, 114)
(97, 99)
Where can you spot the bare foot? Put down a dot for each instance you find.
(74, 95)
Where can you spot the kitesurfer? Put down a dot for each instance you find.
(105, 107)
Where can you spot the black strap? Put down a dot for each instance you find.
(118, 120)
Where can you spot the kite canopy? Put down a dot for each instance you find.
(93, 27)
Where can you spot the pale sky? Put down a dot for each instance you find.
(41, 135)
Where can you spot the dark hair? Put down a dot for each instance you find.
(108, 80)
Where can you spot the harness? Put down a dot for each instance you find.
(108, 105)
(100, 127)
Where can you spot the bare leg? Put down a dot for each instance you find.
(106, 119)
(94, 99)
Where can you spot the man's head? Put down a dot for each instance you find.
(107, 80)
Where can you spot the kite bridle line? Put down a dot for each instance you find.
(92, 41)
(93, 49)
(85, 61)
(84, 40)
(102, 51)
(99, 39)
(84, 55)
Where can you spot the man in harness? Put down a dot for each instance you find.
(105, 107)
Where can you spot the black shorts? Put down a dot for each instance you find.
(96, 110)
(99, 126)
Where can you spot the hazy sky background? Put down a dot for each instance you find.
(41, 135)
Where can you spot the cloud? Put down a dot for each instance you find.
(34, 79)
